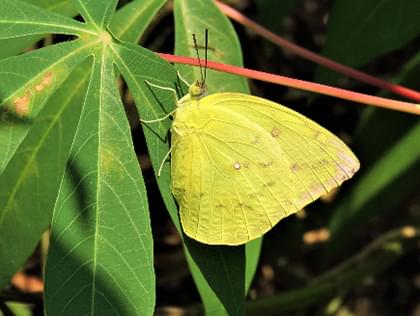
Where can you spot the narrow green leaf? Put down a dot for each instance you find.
(361, 30)
(130, 22)
(193, 17)
(21, 19)
(252, 257)
(29, 184)
(97, 12)
(27, 81)
(379, 188)
(101, 255)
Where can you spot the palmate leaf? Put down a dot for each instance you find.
(114, 224)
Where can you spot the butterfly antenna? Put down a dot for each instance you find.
(206, 46)
(198, 56)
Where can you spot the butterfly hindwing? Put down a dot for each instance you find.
(316, 155)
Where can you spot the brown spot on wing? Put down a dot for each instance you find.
(294, 167)
(275, 132)
(266, 164)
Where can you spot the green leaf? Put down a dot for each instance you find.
(361, 30)
(29, 185)
(252, 257)
(101, 256)
(21, 19)
(193, 17)
(58, 6)
(97, 12)
(130, 22)
(14, 46)
(27, 81)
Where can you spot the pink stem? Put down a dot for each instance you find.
(301, 84)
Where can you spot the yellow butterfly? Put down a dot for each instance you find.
(240, 164)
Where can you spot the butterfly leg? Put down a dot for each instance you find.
(182, 79)
(158, 119)
(164, 159)
(149, 84)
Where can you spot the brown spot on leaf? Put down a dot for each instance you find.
(47, 79)
(22, 105)
(39, 87)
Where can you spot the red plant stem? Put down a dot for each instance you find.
(301, 84)
(348, 71)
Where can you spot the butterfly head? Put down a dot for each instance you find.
(198, 90)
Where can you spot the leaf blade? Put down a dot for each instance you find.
(101, 241)
(30, 182)
(22, 78)
(19, 19)
(130, 22)
(96, 12)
